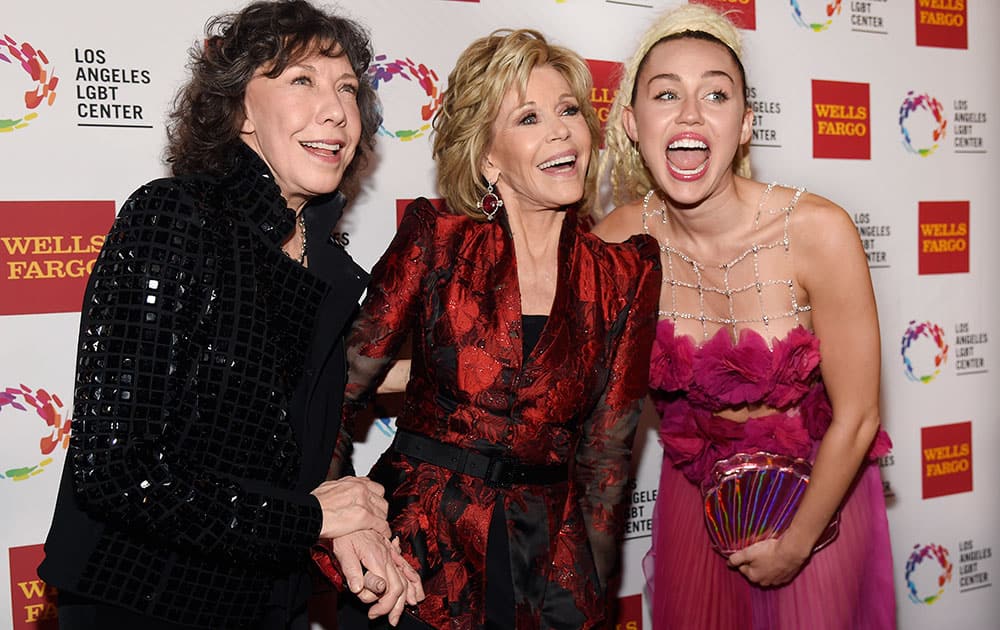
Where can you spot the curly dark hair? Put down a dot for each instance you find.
(208, 111)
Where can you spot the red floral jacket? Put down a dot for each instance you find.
(451, 283)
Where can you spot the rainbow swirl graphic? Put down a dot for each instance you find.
(832, 8)
(925, 102)
(47, 407)
(938, 553)
(36, 64)
(382, 71)
(912, 334)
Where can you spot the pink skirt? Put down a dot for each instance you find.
(847, 585)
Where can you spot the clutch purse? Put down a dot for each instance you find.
(751, 497)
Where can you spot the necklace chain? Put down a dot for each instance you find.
(301, 221)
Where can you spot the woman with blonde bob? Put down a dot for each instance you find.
(508, 475)
(765, 365)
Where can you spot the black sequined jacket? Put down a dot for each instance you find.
(207, 400)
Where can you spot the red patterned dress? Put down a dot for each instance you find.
(451, 283)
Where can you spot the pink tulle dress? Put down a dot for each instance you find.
(845, 585)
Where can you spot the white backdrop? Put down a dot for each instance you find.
(888, 107)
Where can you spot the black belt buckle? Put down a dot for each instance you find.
(500, 472)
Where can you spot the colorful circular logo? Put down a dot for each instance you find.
(915, 332)
(48, 408)
(382, 72)
(927, 103)
(832, 8)
(36, 65)
(940, 555)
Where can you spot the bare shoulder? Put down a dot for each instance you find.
(826, 249)
(821, 226)
(621, 223)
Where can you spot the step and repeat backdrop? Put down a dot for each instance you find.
(888, 107)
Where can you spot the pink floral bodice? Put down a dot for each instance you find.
(691, 384)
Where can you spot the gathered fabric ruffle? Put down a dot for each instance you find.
(691, 384)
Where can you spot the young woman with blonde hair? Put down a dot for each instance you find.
(765, 367)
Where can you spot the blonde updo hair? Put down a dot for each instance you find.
(629, 176)
(463, 125)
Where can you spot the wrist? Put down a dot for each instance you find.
(317, 517)
(797, 544)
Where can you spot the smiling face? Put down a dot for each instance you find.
(689, 117)
(305, 124)
(540, 145)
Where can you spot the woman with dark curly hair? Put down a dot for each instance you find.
(211, 360)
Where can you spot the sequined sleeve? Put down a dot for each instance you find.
(603, 458)
(387, 315)
(134, 402)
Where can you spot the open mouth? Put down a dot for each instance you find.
(323, 148)
(559, 164)
(688, 157)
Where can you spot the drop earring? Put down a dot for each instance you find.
(490, 202)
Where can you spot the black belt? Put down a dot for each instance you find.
(497, 472)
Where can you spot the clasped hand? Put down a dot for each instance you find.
(769, 562)
(354, 517)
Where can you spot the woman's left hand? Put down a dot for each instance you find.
(770, 562)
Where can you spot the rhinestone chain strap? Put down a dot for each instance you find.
(703, 288)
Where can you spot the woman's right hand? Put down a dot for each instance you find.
(352, 504)
(377, 574)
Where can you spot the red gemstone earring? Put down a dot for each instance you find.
(490, 202)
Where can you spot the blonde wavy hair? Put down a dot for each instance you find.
(463, 125)
(621, 162)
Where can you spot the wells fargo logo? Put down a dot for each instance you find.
(816, 19)
(916, 351)
(928, 571)
(935, 132)
(403, 125)
(607, 76)
(629, 613)
(946, 459)
(943, 237)
(742, 13)
(42, 90)
(32, 601)
(841, 120)
(47, 249)
(32, 416)
(942, 23)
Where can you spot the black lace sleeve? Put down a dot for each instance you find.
(388, 312)
(604, 455)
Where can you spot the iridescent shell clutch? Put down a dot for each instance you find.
(751, 497)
